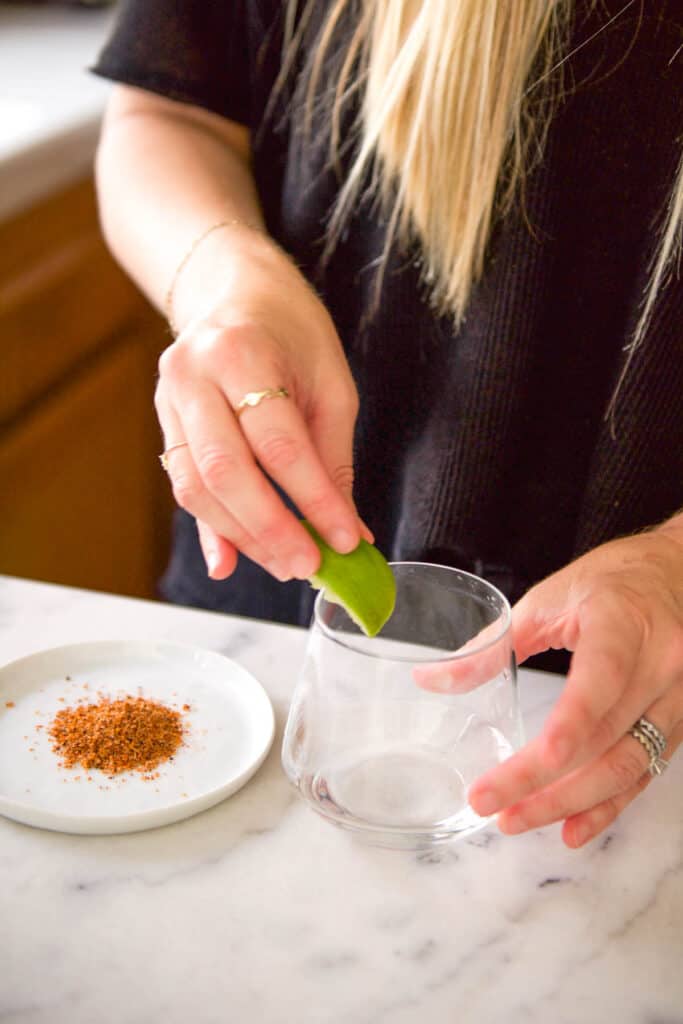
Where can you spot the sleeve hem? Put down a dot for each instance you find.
(170, 89)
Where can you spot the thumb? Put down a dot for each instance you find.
(543, 618)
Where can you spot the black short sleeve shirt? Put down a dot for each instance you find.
(488, 446)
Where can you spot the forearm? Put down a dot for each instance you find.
(166, 173)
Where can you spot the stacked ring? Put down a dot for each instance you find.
(653, 741)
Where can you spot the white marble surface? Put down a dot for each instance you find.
(259, 911)
(50, 105)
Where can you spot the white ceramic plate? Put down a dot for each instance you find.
(229, 729)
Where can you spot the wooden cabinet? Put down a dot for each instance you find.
(83, 500)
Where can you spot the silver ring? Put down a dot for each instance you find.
(653, 742)
(655, 734)
(254, 398)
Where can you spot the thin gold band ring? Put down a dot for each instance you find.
(254, 398)
(163, 458)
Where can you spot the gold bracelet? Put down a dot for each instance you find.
(168, 304)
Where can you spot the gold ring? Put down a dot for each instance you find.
(163, 459)
(253, 398)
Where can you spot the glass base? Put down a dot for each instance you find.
(405, 799)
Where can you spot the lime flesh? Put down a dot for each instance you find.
(361, 582)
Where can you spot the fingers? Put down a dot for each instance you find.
(228, 478)
(225, 532)
(580, 829)
(331, 430)
(220, 554)
(607, 641)
(583, 827)
(331, 426)
(614, 675)
(223, 477)
(608, 685)
(219, 548)
(617, 608)
(278, 437)
(604, 781)
(487, 655)
(605, 664)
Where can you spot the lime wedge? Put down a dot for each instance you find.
(361, 582)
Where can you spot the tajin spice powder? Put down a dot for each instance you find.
(129, 734)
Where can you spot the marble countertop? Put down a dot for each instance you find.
(259, 911)
(50, 105)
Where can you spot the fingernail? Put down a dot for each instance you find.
(485, 802)
(302, 566)
(367, 532)
(581, 834)
(343, 541)
(278, 571)
(212, 561)
(512, 824)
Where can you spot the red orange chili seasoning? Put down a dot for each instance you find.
(129, 734)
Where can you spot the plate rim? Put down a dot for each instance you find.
(170, 813)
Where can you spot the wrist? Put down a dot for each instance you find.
(201, 273)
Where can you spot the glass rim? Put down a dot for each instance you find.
(455, 655)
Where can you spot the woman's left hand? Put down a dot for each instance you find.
(619, 608)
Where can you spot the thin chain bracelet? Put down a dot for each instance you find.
(168, 303)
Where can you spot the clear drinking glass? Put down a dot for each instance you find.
(386, 734)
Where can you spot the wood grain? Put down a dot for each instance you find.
(83, 500)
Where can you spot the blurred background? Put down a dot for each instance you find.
(83, 499)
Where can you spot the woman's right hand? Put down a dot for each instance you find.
(254, 323)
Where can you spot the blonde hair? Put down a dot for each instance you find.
(456, 98)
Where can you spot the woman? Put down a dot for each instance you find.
(487, 199)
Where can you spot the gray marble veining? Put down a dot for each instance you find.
(259, 911)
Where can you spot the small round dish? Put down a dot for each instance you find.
(228, 725)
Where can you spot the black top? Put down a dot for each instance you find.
(488, 447)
